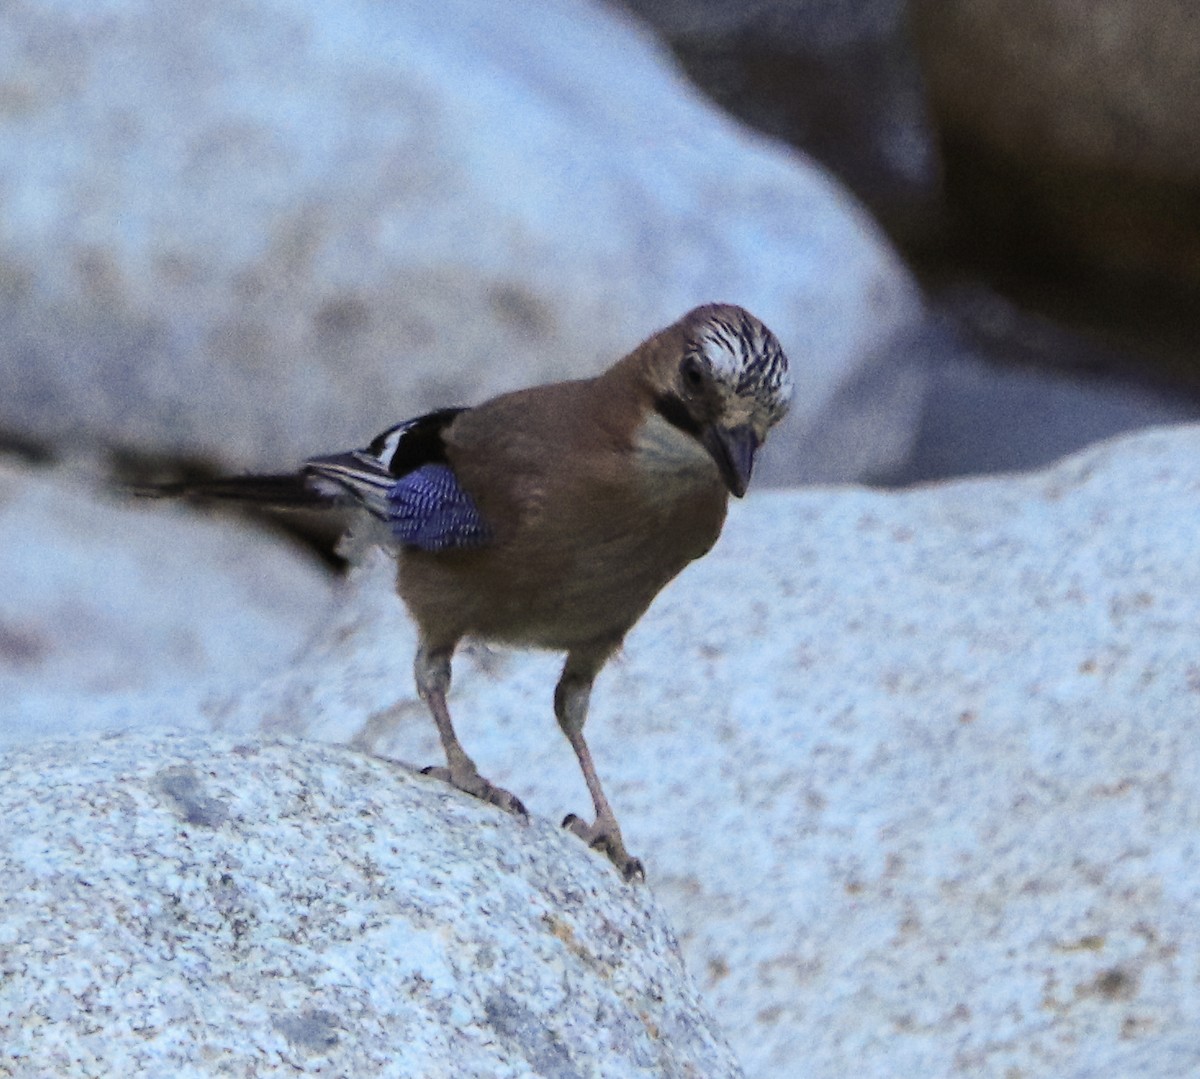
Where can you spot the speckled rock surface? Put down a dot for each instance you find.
(913, 773)
(187, 906)
(363, 211)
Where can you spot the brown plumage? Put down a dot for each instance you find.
(551, 517)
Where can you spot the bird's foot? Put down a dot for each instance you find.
(605, 836)
(471, 782)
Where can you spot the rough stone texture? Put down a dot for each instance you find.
(191, 906)
(118, 612)
(1073, 126)
(913, 773)
(247, 232)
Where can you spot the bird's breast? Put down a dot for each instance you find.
(591, 519)
(582, 567)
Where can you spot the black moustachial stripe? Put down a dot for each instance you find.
(675, 412)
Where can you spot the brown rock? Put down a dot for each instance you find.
(1072, 127)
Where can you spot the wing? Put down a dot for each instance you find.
(404, 478)
(431, 512)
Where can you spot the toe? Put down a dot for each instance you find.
(609, 843)
(633, 870)
(474, 784)
(506, 800)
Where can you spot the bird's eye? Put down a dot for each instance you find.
(691, 372)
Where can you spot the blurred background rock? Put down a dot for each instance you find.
(1037, 162)
(234, 234)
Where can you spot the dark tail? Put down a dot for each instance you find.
(288, 490)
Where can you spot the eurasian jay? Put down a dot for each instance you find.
(551, 517)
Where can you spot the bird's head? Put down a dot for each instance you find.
(720, 377)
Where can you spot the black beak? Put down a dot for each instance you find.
(733, 449)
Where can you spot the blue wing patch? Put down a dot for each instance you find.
(428, 510)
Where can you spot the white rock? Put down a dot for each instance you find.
(192, 906)
(264, 230)
(115, 612)
(913, 772)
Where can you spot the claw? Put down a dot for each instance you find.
(606, 838)
(475, 785)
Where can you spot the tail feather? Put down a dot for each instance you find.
(287, 490)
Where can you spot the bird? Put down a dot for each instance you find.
(551, 517)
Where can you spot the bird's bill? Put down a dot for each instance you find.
(733, 449)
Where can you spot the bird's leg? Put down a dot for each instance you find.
(570, 706)
(432, 669)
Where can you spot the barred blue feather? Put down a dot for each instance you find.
(428, 510)
(403, 478)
